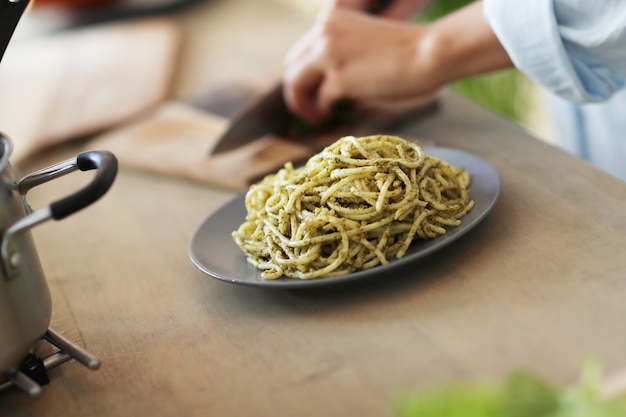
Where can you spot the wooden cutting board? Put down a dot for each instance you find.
(176, 138)
(78, 82)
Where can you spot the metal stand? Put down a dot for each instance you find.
(32, 374)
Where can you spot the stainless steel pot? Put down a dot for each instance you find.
(25, 304)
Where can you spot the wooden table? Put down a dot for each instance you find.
(539, 285)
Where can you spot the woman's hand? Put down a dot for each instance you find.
(348, 55)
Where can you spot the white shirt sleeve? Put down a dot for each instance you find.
(574, 48)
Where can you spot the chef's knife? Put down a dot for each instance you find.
(269, 114)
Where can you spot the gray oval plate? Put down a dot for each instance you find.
(215, 253)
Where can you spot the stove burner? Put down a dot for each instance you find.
(32, 373)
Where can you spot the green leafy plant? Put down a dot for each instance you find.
(521, 395)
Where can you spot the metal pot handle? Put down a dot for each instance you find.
(104, 161)
(106, 164)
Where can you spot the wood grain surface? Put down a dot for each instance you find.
(537, 286)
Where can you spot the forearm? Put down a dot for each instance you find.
(461, 44)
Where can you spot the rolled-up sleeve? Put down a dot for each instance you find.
(574, 48)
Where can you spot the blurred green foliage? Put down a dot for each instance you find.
(506, 92)
(521, 394)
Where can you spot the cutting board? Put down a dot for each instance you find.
(176, 138)
(78, 82)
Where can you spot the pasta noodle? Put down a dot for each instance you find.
(353, 206)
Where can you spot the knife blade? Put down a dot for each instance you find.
(269, 114)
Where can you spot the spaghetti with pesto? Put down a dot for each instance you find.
(353, 206)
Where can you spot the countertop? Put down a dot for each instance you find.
(538, 285)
